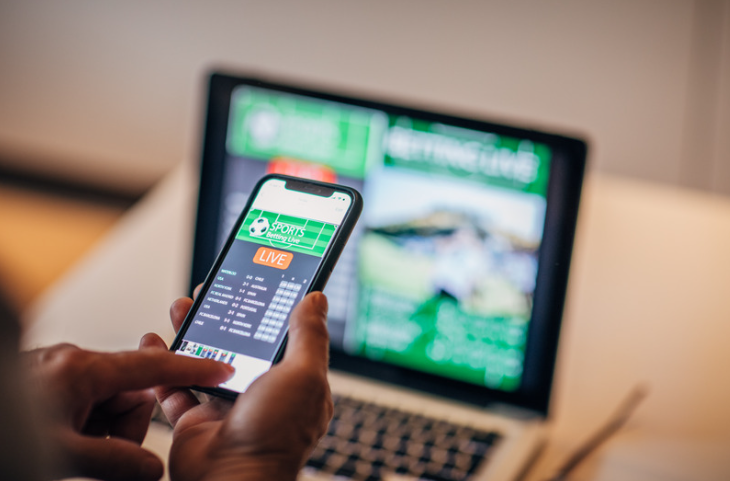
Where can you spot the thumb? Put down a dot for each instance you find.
(112, 459)
(308, 337)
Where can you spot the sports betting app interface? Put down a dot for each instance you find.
(279, 246)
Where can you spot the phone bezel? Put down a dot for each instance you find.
(319, 278)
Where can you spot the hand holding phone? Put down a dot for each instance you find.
(268, 433)
(284, 245)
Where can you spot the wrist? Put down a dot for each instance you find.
(254, 469)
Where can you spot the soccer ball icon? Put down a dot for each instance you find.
(259, 227)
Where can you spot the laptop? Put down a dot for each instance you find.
(445, 306)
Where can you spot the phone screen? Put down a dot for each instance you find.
(243, 315)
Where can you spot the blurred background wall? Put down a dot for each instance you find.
(111, 93)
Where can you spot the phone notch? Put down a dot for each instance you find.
(309, 188)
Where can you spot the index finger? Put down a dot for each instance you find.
(110, 374)
(308, 343)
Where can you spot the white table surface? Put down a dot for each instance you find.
(649, 301)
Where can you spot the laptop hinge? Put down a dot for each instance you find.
(514, 412)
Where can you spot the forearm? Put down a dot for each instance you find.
(254, 470)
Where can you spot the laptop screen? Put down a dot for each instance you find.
(440, 282)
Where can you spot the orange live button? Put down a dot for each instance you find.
(273, 258)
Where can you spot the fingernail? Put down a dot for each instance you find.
(320, 302)
(229, 368)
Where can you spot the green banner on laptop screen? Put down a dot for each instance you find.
(265, 125)
(507, 162)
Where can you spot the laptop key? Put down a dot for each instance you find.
(365, 442)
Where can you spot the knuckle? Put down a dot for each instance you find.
(317, 329)
(59, 354)
(72, 361)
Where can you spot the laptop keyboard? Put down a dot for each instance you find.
(366, 441)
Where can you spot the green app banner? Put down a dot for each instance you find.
(286, 232)
(266, 124)
(493, 159)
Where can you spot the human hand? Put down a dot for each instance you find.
(272, 427)
(101, 405)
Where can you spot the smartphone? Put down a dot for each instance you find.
(284, 244)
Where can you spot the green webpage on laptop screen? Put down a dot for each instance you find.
(440, 274)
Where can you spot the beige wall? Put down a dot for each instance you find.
(111, 91)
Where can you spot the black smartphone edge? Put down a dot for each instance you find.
(319, 280)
